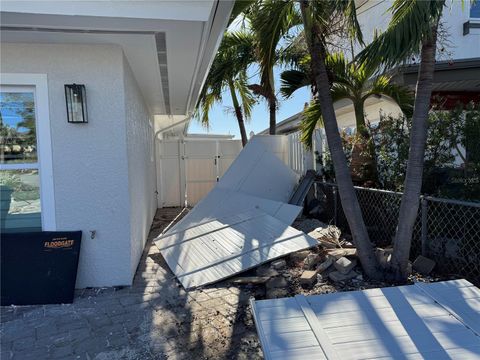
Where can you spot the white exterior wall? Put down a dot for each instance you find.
(141, 166)
(94, 163)
(374, 14)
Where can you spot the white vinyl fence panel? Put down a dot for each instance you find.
(301, 159)
(187, 169)
(420, 321)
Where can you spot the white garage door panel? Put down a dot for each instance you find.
(222, 248)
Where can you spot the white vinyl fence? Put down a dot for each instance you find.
(187, 169)
(301, 159)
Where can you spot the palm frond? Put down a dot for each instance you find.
(292, 80)
(311, 117)
(240, 6)
(402, 95)
(353, 26)
(246, 96)
(295, 53)
(270, 23)
(411, 22)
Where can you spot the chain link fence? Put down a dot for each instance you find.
(447, 231)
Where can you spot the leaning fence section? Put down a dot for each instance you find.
(447, 231)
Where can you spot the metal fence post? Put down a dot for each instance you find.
(424, 223)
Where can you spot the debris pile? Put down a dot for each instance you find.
(329, 267)
(332, 261)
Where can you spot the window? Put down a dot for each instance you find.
(475, 9)
(26, 181)
(19, 180)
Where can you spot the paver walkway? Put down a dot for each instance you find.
(153, 319)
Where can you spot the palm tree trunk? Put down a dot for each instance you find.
(413, 179)
(348, 197)
(239, 114)
(272, 107)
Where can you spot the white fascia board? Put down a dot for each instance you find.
(210, 42)
(164, 9)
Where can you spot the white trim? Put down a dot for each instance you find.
(45, 162)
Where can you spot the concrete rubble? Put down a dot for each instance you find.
(345, 265)
(311, 261)
(329, 267)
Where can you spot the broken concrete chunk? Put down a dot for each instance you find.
(311, 261)
(344, 265)
(309, 277)
(326, 264)
(279, 264)
(338, 276)
(299, 255)
(423, 265)
(338, 253)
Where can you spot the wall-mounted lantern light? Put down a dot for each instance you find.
(76, 98)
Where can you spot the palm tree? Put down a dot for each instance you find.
(317, 18)
(229, 73)
(413, 29)
(355, 82)
(269, 24)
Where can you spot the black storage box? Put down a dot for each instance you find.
(39, 267)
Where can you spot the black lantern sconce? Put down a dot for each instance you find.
(76, 98)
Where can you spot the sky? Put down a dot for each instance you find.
(223, 121)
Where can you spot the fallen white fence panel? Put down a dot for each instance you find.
(258, 172)
(242, 222)
(221, 248)
(223, 202)
(421, 321)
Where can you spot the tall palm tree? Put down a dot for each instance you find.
(412, 30)
(355, 82)
(269, 24)
(317, 19)
(229, 73)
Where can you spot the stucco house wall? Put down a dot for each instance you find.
(141, 165)
(104, 180)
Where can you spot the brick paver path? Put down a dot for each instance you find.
(153, 319)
